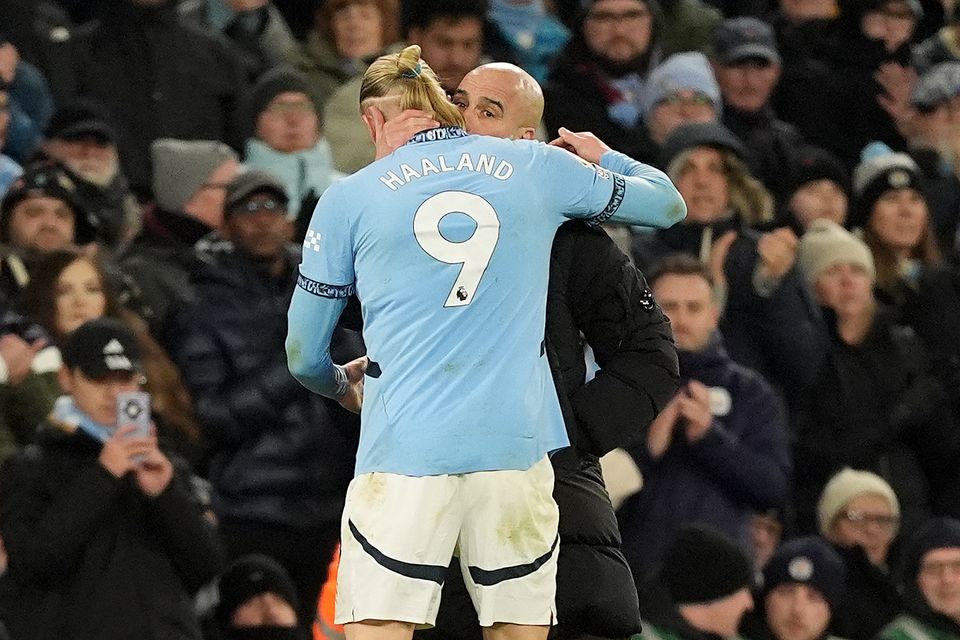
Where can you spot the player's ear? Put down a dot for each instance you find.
(371, 126)
(527, 133)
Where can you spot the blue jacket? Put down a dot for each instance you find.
(279, 454)
(740, 467)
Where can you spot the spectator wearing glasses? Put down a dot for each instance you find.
(281, 456)
(930, 581)
(859, 514)
(189, 182)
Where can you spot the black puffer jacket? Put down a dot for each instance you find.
(91, 556)
(279, 453)
(594, 290)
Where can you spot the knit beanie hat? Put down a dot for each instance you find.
(250, 576)
(939, 85)
(271, 84)
(700, 134)
(704, 565)
(50, 180)
(938, 533)
(825, 244)
(813, 163)
(810, 561)
(688, 71)
(880, 170)
(847, 485)
(180, 167)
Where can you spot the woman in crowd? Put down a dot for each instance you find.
(68, 288)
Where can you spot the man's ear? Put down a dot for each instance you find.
(527, 133)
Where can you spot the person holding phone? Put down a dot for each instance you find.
(101, 534)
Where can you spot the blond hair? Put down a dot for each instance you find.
(748, 197)
(401, 81)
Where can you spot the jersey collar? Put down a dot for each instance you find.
(438, 133)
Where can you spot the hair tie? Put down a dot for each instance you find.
(413, 73)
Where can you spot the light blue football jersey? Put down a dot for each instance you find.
(446, 242)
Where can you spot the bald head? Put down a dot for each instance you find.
(500, 99)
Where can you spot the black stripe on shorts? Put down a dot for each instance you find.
(489, 578)
(408, 569)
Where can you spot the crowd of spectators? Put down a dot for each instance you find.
(159, 163)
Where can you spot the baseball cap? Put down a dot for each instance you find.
(739, 39)
(102, 347)
(79, 118)
(250, 182)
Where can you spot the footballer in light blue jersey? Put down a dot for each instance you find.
(446, 243)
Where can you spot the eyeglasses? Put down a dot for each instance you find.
(694, 100)
(861, 519)
(253, 206)
(939, 568)
(607, 18)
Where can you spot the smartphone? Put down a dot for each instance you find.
(133, 408)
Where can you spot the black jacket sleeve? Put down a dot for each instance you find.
(610, 304)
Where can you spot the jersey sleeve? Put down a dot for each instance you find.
(324, 282)
(620, 189)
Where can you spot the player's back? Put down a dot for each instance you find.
(451, 241)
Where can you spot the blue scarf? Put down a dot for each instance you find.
(535, 35)
(302, 172)
(68, 416)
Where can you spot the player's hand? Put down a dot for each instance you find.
(398, 131)
(778, 253)
(695, 408)
(352, 399)
(584, 144)
(119, 453)
(660, 433)
(18, 355)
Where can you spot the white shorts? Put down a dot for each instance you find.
(399, 533)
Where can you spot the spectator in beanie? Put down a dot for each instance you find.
(934, 144)
(764, 304)
(281, 456)
(103, 538)
(912, 278)
(818, 187)
(256, 27)
(859, 514)
(81, 139)
(930, 580)
(598, 81)
(717, 453)
(702, 590)
(39, 214)
(257, 601)
(157, 76)
(802, 586)
(190, 181)
(875, 403)
(746, 64)
(286, 140)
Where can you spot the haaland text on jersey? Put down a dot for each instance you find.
(481, 163)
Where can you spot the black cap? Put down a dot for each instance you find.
(810, 561)
(250, 576)
(813, 163)
(251, 182)
(46, 179)
(704, 565)
(739, 39)
(705, 134)
(102, 347)
(80, 118)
